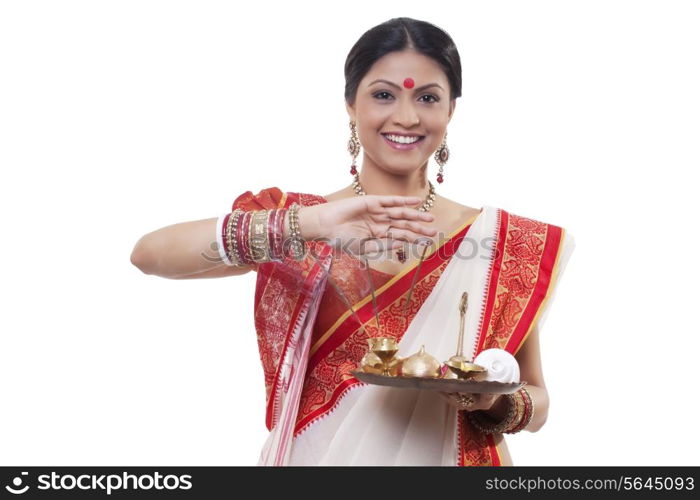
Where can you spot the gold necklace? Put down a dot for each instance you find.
(425, 207)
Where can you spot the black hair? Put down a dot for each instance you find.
(398, 34)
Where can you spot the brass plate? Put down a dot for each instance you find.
(438, 384)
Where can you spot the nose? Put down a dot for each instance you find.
(405, 114)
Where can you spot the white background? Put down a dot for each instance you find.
(118, 118)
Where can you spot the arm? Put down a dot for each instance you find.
(182, 251)
(190, 249)
(530, 370)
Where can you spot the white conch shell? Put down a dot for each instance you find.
(501, 366)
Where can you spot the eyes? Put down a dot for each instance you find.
(383, 92)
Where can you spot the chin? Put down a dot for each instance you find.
(403, 168)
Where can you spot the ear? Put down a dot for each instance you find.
(453, 103)
(351, 110)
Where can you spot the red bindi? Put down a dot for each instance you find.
(408, 83)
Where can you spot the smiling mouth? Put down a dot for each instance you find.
(402, 139)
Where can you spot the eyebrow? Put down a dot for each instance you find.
(417, 89)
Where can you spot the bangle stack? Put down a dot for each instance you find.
(257, 236)
(520, 411)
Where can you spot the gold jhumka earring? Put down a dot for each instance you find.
(353, 147)
(442, 154)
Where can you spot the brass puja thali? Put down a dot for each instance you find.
(381, 366)
(438, 384)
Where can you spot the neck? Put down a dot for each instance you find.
(375, 180)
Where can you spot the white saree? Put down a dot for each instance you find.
(375, 425)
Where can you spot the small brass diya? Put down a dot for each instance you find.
(460, 367)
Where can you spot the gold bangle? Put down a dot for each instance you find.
(519, 413)
(297, 242)
(231, 243)
(486, 424)
(259, 236)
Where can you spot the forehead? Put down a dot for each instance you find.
(395, 66)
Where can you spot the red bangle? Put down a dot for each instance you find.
(241, 236)
(275, 233)
(524, 395)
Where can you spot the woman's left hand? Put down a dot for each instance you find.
(483, 401)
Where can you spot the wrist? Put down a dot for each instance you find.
(499, 409)
(308, 224)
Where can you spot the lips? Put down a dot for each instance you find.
(401, 146)
(402, 134)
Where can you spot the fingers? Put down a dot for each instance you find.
(395, 245)
(377, 246)
(396, 201)
(481, 401)
(381, 245)
(414, 226)
(409, 213)
(450, 398)
(488, 398)
(408, 234)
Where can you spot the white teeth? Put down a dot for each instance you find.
(401, 139)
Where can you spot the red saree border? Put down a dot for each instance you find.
(309, 269)
(328, 407)
(492, 280)
(520, 280)
(493, 450)
(552, 250)
(474, 448)
(555, 274)
(302, 299)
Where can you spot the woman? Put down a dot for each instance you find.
(320, 298)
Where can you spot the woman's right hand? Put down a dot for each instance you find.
(368, 223)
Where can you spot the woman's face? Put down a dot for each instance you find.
(386, 106)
